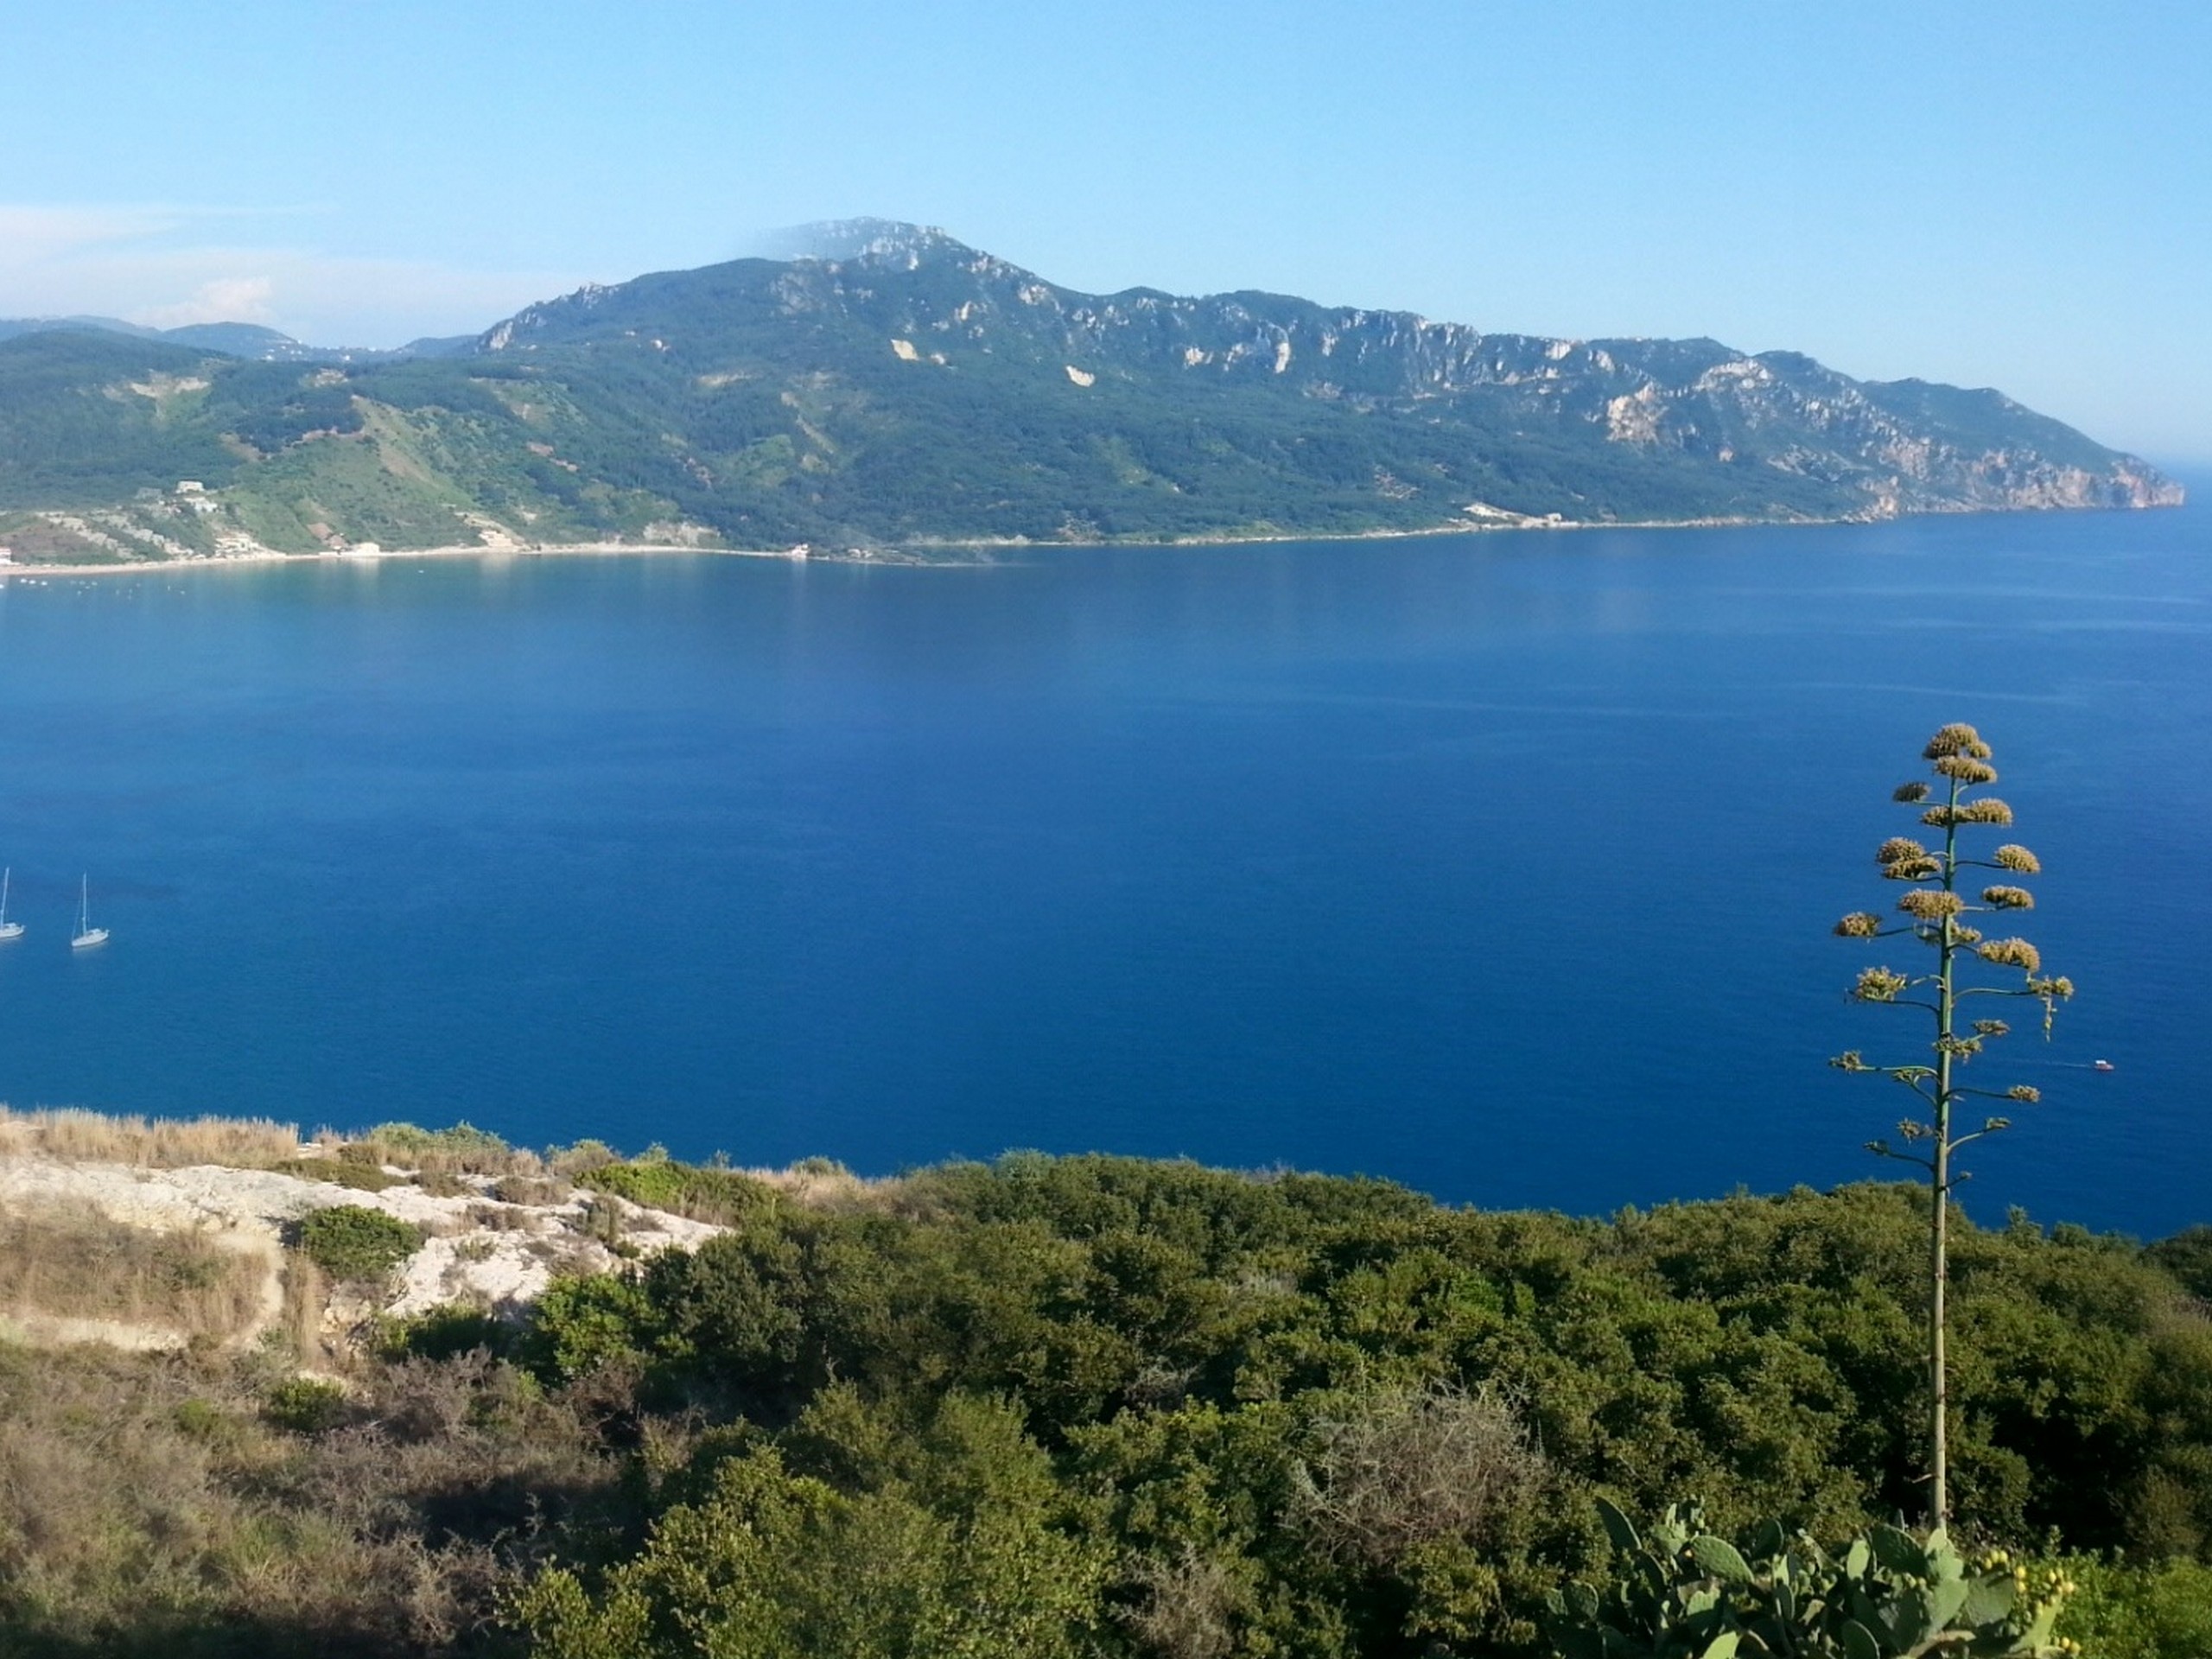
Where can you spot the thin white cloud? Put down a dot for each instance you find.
(33, 236)
(226, 299)
(165, 266)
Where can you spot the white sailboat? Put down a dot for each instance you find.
(86, 935)
(8, 929)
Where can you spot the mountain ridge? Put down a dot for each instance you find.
(889, 384)
(245, 339)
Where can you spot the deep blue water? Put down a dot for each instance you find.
(1503, 865)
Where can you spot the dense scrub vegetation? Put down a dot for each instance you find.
(1105, 1406)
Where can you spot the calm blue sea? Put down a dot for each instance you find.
(1503, 865)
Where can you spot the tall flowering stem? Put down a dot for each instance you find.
(1938, 915)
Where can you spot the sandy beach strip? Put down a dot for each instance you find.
(462, 550)
(903, 557)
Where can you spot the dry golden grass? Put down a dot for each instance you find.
(440, 1156)
(531, 1189)
(448, 1162)
(566, 1163)
(75, 1264)
(822, 1185)
(305, 1297)
(151, 1508)
(159, 1143)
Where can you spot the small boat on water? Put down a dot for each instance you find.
(8, 929)
(2101, 1065)
(86, 935)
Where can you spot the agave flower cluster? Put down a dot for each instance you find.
(1936, 912)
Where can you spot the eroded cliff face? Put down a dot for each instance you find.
(2001, 479)
(1911, 448)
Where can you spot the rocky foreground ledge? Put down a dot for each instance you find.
(151, 1235)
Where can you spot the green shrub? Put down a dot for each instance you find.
(304, 1405)
(2188, 1256)
(567, 1161)
(351, 1242)
(462, 1150)
(955, 1556)
(201, 1419)
(582, 1325)
(461, 1140)
(358, 1174)
(445, 1333)
(2122, 1612)
(721, 1196)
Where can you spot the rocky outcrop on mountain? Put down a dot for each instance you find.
(245, 339)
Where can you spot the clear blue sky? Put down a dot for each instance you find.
(2018, 196)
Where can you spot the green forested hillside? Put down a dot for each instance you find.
(86, 419)
(916, 390)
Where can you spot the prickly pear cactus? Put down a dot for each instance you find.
(1683, 1594)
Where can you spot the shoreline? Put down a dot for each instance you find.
(460, 550)
(903, 558)
(896, 558)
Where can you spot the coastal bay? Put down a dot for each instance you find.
(1501, 864)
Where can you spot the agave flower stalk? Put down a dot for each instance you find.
(1936, 913)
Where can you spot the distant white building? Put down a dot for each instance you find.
(190, 487)
(7, 556)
